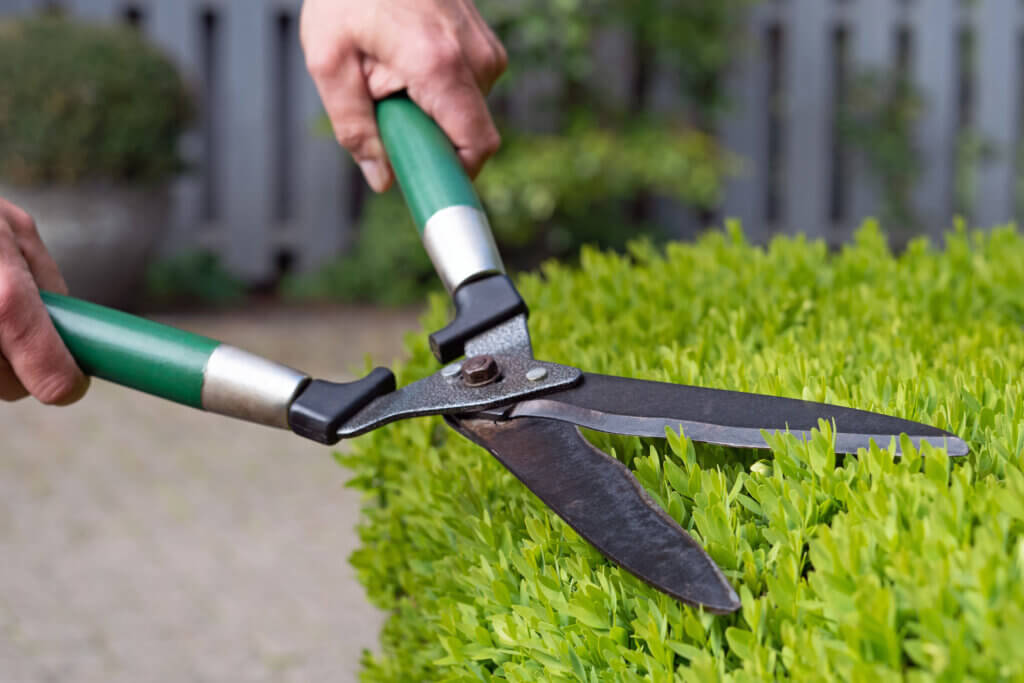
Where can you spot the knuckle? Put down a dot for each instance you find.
(500, 57)
(322, 63)
(21, 222)
(490, 142)
(12, 306)
(495, 61)
(351, 135)
(444, 57)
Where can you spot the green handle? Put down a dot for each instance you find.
(428, 171)
(131, 351)
(173, 364)
(439, 194)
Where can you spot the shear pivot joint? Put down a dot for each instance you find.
(479, 306)
(479, 370)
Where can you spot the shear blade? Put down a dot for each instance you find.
(599, 498)
(620, 405)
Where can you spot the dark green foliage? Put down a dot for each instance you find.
(879, 119)
(387, 265)
(193, 277)
(694, 38)
(862, 568)
(545, 195)
(81, 102)
(551, 194)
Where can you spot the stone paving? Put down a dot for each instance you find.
(142, 541)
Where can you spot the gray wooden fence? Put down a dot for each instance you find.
(268, 189)
(796, 181)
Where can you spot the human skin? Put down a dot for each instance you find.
(357, 51)
(33, 358)
(440, 51)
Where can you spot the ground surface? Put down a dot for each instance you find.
(142, 541)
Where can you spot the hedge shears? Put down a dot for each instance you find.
(490, 388)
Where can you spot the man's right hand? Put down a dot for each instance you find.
(440, 51)
(33, 358)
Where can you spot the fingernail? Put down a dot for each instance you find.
(374, 173)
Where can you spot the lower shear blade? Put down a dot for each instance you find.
(599, 498)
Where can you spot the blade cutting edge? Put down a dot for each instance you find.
(601, 499)
(622, 405)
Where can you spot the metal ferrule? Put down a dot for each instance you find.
(461, 247)
(239, 384)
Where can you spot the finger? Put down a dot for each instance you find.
(485, 54)
(339, 79)
(381, 80)
(28, 339)
(10, 388)
(42, 266)
(458, 107)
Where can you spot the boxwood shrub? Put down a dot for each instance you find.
(865, 568)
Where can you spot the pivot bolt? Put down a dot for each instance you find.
(479, 370)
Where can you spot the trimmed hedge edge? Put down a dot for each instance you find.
(858, 568)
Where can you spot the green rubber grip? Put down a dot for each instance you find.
(131, 351)
(428, 171)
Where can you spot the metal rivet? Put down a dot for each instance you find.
(536, 374)
(450, 371)
(479, 370)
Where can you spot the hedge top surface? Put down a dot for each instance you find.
(857, 568)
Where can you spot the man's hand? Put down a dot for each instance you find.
(440, 51)
(33, 358)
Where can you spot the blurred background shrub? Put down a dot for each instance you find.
(190, 278)
(119, 105)
(878, 121)
(386, 265)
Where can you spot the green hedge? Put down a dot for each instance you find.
(862, 568)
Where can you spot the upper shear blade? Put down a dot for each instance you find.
(730, 418)
(599, 498)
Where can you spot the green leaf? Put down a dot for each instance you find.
(742, 642)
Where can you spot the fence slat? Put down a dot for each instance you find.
(874, 43)
(999, 93)
(11, 7)
(174, 27)
(808, 130)
(934, 69)
(92, 10)
(745, 127)
(323, 201)
(248, 187)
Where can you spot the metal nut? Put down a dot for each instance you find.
(479, 370)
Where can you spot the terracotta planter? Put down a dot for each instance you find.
(103, 236)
